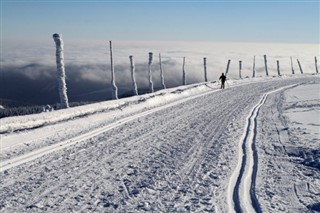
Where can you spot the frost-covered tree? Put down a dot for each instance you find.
(184, 80)
(228, 65)
(292, 70)
(113, 82)
(278, 68)
(161, 72)
(133, 76)
(61, 75)
(254, 67)
(150, 73)
(266, 65)
(316, 64)
(205, 69)
(300, 66)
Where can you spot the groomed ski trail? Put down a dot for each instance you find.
(176, 158)
(241, 188)
(7, 164)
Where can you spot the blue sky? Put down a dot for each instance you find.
(228, 21)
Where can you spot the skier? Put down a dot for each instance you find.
(223, 80)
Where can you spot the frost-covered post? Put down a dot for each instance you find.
(113, 82)
(61, 75)
(254, 67)
(133, 76)
(292, 70)
(240, 67)
(228, 65)
(316, 64)
(278, 68)
(161, 72)
(184, 80)
(205, 69)
(149, 72)
(300, 66)
(265, 64)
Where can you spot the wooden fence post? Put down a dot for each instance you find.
(133, 77)
(61, 75)
(300, 66)
(316, 64)
(254, 67)
(113, 82)
(292, 70)
(278, 68)
(150, 73)
(161, 72)
(228, 65)
(265, 64)
(240, 67)
(184, 80)
(205, 69)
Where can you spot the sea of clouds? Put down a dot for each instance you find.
(28, 73)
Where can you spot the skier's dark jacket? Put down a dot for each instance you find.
(223, 78)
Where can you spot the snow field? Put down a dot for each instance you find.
(175, 157)
(288, 178)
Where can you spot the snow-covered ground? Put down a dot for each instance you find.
(253, 147)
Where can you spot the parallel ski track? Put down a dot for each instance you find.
(241, 188)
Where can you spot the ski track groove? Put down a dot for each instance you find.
(240, 197)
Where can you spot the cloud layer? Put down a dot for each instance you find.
(28, 71)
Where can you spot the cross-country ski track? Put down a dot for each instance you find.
(200, 153)
(241, 189)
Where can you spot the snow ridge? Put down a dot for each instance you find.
(241, 188)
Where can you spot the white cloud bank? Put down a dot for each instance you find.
(217, 54)
(88, 62)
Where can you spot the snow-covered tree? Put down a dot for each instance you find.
(133, 77)
(205, 69)
(265, 64)
(113, 82)
(150, 73)
(161, 72)
(61, 76)
(184, 80)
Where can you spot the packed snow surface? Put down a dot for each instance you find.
(252, 147)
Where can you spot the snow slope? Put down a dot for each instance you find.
(189, 149)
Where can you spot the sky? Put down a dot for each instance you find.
(218, 30)
(203, 20)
